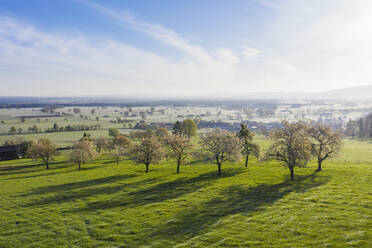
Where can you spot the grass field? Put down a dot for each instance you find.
(60, 139)
(105, 205)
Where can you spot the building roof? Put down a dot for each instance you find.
(8, 149)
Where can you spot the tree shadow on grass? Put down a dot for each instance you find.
(24, 169)
(19, 167)
(77, 185)
(70, 195)
(160, 192)
(110, 162)
(233, 200)
(33, 176)
(44, 172)
(47, 172)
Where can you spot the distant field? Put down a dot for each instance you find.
(106, 205)
(107, 115)
(61, 139)
(45, 125)
(356, 151)
(9, 117)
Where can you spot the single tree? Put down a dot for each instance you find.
(55, 127)
(149, 151)
(100, 144)
(189, 128)
(110, 146)
(180, 148)
(113, 132)
(82, 152)
(44, 150)
(9, 143)
(12, 130)
(121, 144)
(22, 148)
(34, 129)
(177, 129)
(148, 133)
(291, 145)
(324, 142)
(222, 145)
(248, 147)
(161, 132)
(86, 136)
(76, 110)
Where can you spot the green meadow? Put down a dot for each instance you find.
(60, 139)
(105, 205)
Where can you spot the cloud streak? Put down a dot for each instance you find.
(48, 62)
(157, 32)
(303, 46)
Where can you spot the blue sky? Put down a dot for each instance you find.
(173, 47)
(207, 20)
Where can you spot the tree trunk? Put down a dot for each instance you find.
(117, 160)
(319, 165)
(291, 169)
(219, 169)
(47, 165)
(147, 168)
(79, 165)
(178, 166)
(246, 160)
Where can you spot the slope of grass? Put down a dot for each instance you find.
(105, 205)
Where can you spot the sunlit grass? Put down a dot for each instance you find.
(105, 205)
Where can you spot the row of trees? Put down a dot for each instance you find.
(79, 127)
(294, 144)
(55, 128)
(32, 129)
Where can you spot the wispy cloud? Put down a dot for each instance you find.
(158, 32)
(327, 47)
(222, 63)
(65, 63)
(291, 6)
(276, 4)
(250, 52)
(44, 62)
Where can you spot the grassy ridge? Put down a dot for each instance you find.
(105, 205)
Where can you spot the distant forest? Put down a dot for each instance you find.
(361, 128)
(19, 102)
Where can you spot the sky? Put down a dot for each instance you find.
(183, 48)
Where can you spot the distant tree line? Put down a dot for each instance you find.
(361, 128)
(55, 128)
(79, 127)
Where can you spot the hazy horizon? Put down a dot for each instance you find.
(182, 49)
(217, 95)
